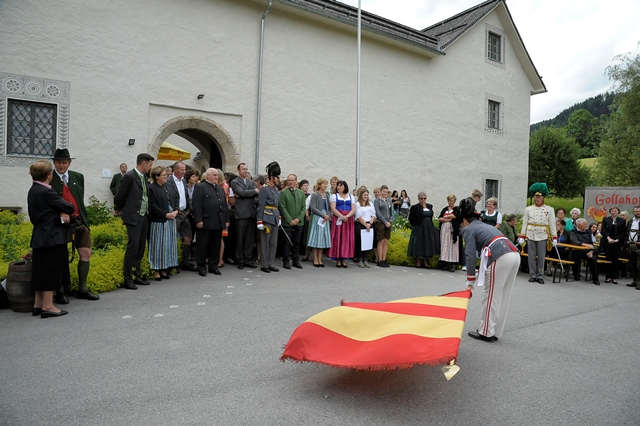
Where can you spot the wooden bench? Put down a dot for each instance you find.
(556, 266)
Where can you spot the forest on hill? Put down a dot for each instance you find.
(597, 106)
(605, 128)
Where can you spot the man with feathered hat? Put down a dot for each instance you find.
(268, 217)
(538, 226)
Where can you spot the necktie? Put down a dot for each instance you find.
(64, 180)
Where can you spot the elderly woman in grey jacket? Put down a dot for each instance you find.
(319, 232)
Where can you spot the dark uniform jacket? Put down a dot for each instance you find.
(210, 206)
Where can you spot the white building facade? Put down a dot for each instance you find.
(444, 110)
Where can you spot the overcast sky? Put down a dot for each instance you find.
(571, 42)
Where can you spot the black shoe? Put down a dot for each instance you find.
(140, 281)
(49, 314)
(273, 269)
(576, 277)
(596, 282)
(540, 281)
(632, 284)
(614, 281)
(202, 272)
(478, 336)
(36, 311)
(240, 265)
(265, 270)
(286, 265)
(165, 277)
(188, 267)
(297, 264)
(532, 280)
(87, 295)
(215, 271)
(129, 285)
(320, 265)
(251, 265)
(338, 265)
(158, 278)
(60, 298)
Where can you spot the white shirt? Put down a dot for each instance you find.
(183, 198)
(366, 212)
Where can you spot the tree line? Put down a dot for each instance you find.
(585, 131)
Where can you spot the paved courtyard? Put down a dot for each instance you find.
(204, 351)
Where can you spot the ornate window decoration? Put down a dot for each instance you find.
(494, 115)
(34, 118)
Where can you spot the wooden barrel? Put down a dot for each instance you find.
(19, 287)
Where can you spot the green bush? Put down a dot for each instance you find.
(97, 212)
(7, 217)
(109, 234)
(15, 239)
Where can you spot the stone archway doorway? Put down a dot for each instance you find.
(214, 143)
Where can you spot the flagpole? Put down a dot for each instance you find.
(358, 96)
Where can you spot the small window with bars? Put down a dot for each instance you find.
(31, 128)
(493, 115)
(494, 47)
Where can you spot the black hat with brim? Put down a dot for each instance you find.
(62, 154)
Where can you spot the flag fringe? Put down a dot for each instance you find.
(377, 367)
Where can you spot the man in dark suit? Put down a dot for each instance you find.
(244, 192)
(132, 204)
(70, 186)
(115, 181)
(211, 216)
(176, 186)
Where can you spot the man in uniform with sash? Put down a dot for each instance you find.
(633, 244)
(538, 225)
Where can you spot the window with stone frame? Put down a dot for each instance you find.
(31, 128)
(494, 47)
(493, 115)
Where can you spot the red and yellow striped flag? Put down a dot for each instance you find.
(377, 336)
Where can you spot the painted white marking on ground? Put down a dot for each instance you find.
(229, 286)
(159, 315)
(207, 295)
(173, 306)
(201, 303)
(127, 317)
(249, 284)
(229, 292)
(419, 273)
(246, 279)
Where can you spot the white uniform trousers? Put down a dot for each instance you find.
(498, 282)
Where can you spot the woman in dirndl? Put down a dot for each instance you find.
(343, 207)
(449, 251)
(163, 236)
(319, 229)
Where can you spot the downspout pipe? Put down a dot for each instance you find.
(259, 108)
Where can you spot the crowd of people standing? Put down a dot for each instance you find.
(250, 221)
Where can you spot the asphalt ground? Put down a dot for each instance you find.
(204, 351)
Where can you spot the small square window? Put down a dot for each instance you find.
(494, 47)
(31, 128)
(493, 115)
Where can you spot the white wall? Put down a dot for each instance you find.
(422, 119)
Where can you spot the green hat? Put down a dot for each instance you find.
(539, 188)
